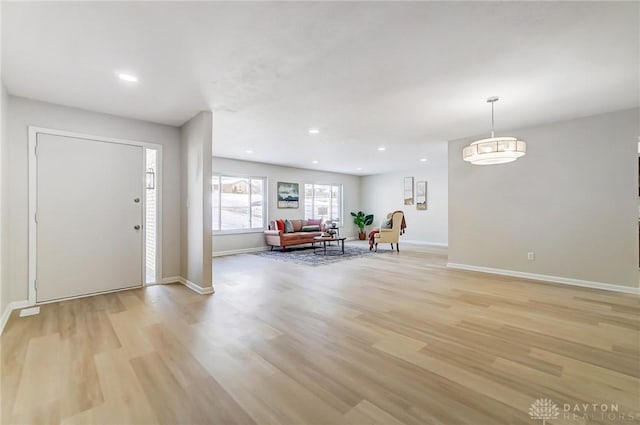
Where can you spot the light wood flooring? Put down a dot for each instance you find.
(386, 339)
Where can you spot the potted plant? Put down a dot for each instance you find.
(361, 220)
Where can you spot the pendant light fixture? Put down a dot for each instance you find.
(494, 150)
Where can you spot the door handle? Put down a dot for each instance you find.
(137, 227)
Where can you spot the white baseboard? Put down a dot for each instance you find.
(16, 305)
(239, 251)
(172, 279)
(434, 244)
(193, 286)
(197, 288)
(548, 278)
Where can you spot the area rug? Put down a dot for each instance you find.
(305, 255)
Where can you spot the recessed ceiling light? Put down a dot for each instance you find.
(359, 169)
(314, 130)
(128, 78)
(382, 148)
(249, 151)
(423, 159)
(315, 161)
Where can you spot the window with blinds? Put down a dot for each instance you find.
(323, 201)
(239, 204)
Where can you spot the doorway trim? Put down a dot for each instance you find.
(33, 199)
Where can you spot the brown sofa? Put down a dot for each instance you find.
(275, 237)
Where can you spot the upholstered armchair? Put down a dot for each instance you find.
(391, 235)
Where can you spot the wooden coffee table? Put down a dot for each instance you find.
(321, 247)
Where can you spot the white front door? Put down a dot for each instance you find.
(89, 216)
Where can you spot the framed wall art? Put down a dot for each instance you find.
(421, 196)
(288, 195)
(408, 190)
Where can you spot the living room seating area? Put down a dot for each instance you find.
(284, 233)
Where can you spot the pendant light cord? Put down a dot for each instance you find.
(492, 100)
(492, 126)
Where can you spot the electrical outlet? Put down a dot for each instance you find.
(531, 256)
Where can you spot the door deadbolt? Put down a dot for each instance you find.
(137, 227)
(136, 200)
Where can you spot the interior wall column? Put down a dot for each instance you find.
(196, 140)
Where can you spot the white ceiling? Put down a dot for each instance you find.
(402, 75)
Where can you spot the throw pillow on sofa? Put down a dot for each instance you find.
(297, 225)
(280, 224)
(314, 221)
(288, 226)
(311, 228)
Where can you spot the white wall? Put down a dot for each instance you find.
(22, 113)
(4, 99)
(274, 174)
(571, 200)
(4, 205)
(196, 142)
(383, 193)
